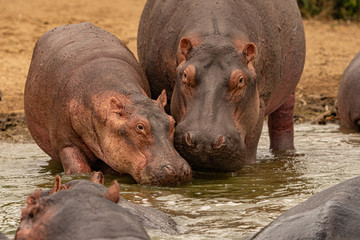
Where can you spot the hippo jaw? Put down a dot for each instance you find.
(216, 104)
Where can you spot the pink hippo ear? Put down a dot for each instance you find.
(249, 52)
(112, 193)
(32, 198)
(116, 106)
(97, 177)
(185, 47)
(186, 44)
(162, 99)
(57, 185)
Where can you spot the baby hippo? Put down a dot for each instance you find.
(349, 97)
(87, 105)
(79, 213)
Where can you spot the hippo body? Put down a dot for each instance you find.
(87, 105)
(80, 213)
(349, 95)
(333, 214)
(225, 65)
(150, 218)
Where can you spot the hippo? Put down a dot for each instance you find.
(150, 218)
(87, 105)
(333, 214)
(225, 66)
(78, 213)
(348, 99)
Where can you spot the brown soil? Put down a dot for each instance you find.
(330, 47)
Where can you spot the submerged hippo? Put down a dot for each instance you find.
(78, 213)
(150, 218)
(226, 65)
(333, 214)
(86, 103)
(348, 95)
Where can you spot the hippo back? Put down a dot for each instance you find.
(331, 214)
(348, 95)
(74, 61)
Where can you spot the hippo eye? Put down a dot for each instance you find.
(185, 79)
(140, 127)
(241, 82)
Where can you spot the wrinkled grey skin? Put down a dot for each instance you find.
(348, 101)
(80, 213)
(150, 218)
(219, 122)
(333, 214)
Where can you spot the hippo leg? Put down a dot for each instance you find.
(252, 139)
(281, 126)
(74, 160)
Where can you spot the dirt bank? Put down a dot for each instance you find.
(330, 48)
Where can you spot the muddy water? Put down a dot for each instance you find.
(214, 206)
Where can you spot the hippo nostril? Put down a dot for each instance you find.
(168, 169)
(220, 143)
(186, 170)
(188, 139)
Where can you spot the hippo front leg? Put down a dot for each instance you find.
(252, 139)
(281, 126)
(74, 160)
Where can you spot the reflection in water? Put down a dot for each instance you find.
(216, 206)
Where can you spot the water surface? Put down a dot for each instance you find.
(214, 206)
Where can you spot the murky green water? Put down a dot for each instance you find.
(214, 206)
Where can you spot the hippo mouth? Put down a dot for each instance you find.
(210, 159)
(166, 175)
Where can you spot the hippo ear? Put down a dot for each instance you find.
(57, 185)
(162, 99)
(112, 193)
(116, 106)
(32, 198)
(185, 47)
(97, 177)
(249, 52)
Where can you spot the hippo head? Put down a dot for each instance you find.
(215, 102)
(77, 213)
(135, 136)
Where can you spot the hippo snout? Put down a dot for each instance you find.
(211, 152)
(170, 174)
(218, 143)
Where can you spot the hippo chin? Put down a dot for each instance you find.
(87, 104)
(348, 95)
(225, 66)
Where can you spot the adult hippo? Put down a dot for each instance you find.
(333, 214)
(87, 104)
(78, 213)
(226, 65)
(348, 95)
